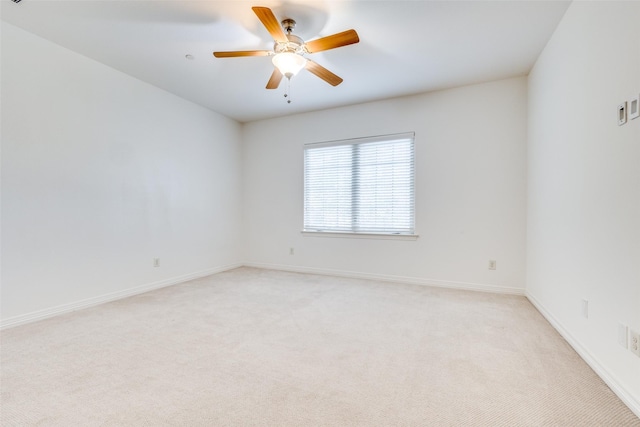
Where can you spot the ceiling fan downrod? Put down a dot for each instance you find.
(288, 25)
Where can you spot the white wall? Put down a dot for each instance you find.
(101, 173)
(583, 237)
(470, 180)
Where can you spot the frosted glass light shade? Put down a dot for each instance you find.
(289, 63)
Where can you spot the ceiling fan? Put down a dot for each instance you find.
(289, 50)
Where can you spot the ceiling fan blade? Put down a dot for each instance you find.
(323, 73)
(236, 53)
(268, 19)
(275, 79)
(331, 42)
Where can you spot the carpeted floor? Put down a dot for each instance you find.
(254, 347)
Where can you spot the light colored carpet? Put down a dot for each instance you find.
(254, 347)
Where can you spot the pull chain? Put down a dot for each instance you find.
(287, 93)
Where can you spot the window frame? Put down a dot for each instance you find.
(409, 235)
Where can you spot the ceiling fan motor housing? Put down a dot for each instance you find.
(294, 44)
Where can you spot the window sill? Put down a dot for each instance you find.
(347, 235)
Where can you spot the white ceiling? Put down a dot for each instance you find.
(405, 47)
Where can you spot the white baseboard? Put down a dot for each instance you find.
(90, 302)
(391, 278)
(589, 358)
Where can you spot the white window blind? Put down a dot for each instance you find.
(363, 185)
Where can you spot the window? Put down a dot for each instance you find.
(363, 185)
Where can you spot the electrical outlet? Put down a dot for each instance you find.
(585, 308)
(622, 335)
(492, 264)
(635, 343)
(156, 262)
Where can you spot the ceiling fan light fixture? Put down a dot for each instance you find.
(289, 63)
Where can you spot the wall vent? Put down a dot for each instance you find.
(16, 1)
